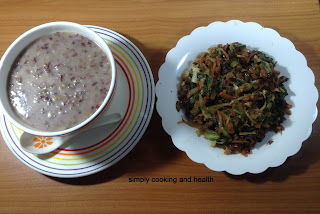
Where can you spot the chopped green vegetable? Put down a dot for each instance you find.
(202, 76)
(247, 133)
(234, 63)
(236, 111)
(213, 143)
(212, 136)
(209, 82)
(239, 45)
(195, 97)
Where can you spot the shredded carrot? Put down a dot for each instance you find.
(208, 63)
(240, 141)
(218, 66)
(216, 69)
(230, 128)
(239, 66)
(226, 47)
(257, 98)
(198, 83)
(282, 128)
(199, 121)
(254, 72)
(223, 116)
(245, 152)
(218, 63)
(262, 86)
(257, 125)
(231, 112)
(239, 75)
(276, 72)
(192, 124)
(213, 67)
(246, 98)
(263, 73)
(225, 96)
(206, 99)
(196, 105)
(227, 56)
(251, 55)
(234, 83)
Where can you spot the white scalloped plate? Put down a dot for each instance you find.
(303, 95)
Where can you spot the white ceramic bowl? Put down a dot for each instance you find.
(303, 95)
(20, 44)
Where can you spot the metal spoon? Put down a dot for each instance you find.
(41, 145)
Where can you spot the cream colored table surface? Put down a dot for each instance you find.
(155, 26)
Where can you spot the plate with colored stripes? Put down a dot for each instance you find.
(101, 148)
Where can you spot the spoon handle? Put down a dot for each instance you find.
(104, 120)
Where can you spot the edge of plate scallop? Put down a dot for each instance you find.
(312, 87)
(139, 131)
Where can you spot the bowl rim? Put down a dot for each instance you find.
(22, 42)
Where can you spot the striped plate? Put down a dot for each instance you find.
(99, 149)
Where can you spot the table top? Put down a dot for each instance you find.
(155, 27)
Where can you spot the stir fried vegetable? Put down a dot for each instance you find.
(233, 96)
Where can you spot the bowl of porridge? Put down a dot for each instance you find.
(56, 79)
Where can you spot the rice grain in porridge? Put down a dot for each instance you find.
(59, 81)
